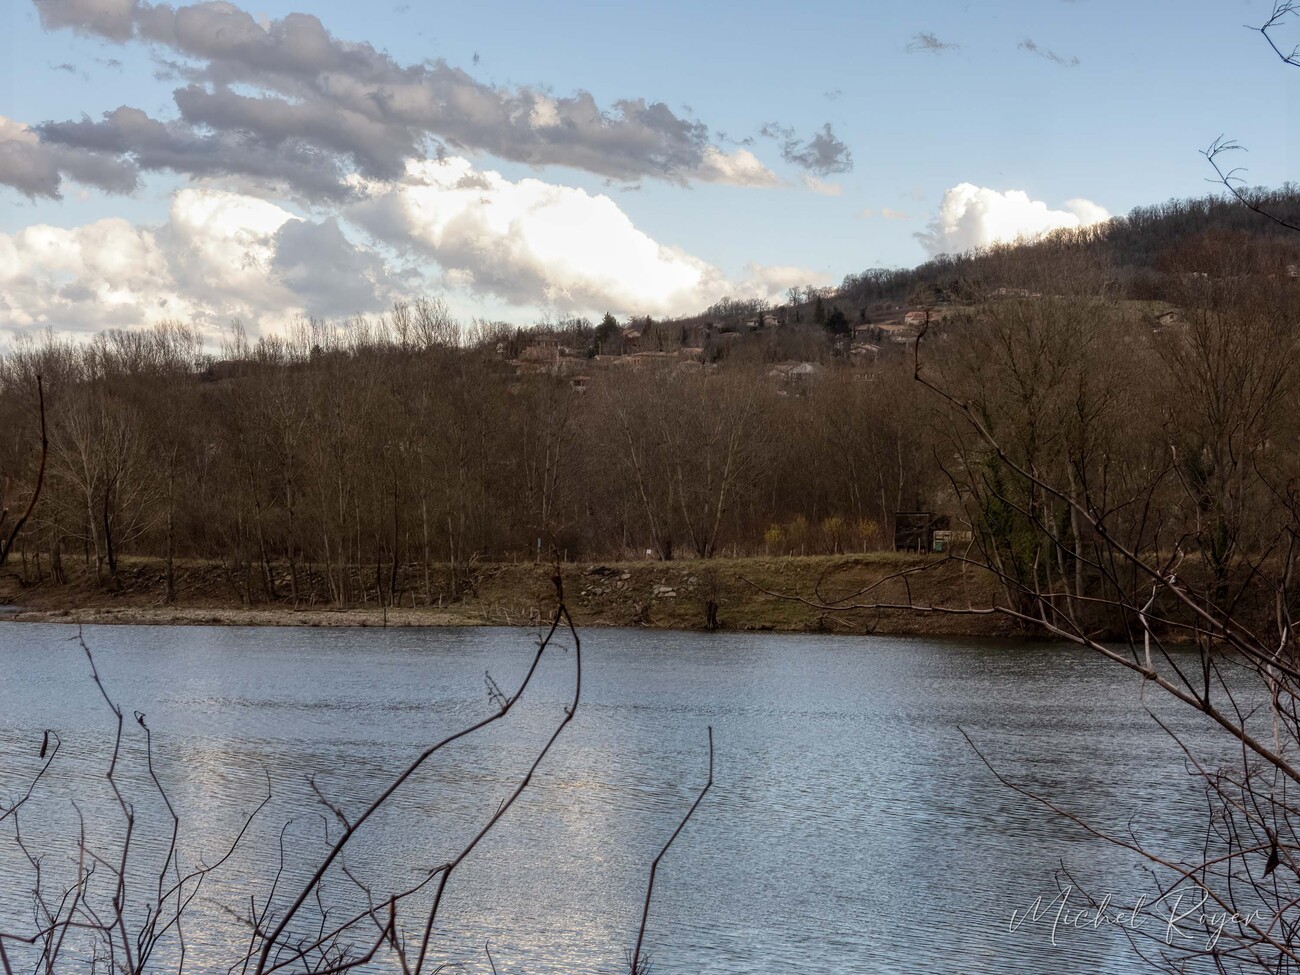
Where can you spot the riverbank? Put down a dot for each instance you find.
(666, 595)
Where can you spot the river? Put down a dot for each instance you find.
(851, 827)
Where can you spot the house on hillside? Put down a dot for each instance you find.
(899, 332)
(864, 351)
(539, 353)
(544, 347)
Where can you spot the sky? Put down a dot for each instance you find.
(209, 162)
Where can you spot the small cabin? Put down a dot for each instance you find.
(915, 531)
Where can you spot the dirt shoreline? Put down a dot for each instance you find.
(664, 595)
(178, 615)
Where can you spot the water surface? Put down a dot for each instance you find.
(851, 826)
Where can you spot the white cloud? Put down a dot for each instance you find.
(1087, 211)
(975, 216)
(223, 245)
(104, 274)
(740, 168)
(532, 242)
(773, 281)
(821, 186)
(219, 255)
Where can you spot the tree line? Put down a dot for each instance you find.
(387, 457)
(373, 461)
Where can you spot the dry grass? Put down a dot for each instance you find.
(670, 595)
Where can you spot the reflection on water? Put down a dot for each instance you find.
(850, 828)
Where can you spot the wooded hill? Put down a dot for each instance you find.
(379, 451)
(1143, 256)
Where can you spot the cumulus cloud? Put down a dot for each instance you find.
(1087, 211)
(219, 255)
(325, 271)
(50, 275)
(739, 168)
(773, 281)
(37, 169)
(975, 216)
(532, 242)
(317, 91)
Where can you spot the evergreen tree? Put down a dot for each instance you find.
(837, 323)
(606, 330)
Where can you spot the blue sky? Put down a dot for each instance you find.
(1061, 100)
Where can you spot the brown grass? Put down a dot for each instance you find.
(671, 595)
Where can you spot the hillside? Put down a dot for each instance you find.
(1142, 256)
(1146, 256)
(385, 460)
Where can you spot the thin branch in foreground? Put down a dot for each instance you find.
(1234, 183)
(635, 966)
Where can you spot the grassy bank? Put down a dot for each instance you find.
(671, 595)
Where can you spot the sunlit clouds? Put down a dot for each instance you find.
(521, 239)
(974, 216)
(219, 256)
(223, 255)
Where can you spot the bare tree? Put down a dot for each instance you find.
(1155, 570)
(1260, 201)
(9, 532)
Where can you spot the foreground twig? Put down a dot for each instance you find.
(635, 965)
